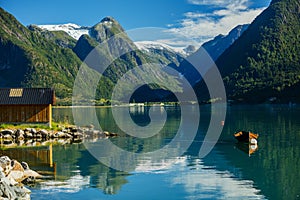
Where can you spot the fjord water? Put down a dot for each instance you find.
(271, 172)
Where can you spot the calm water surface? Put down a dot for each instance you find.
(228, 172)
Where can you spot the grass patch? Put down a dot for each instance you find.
(55, 126)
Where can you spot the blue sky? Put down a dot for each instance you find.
(196, 19)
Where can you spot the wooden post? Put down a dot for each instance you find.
(50, 156)
(50, 115)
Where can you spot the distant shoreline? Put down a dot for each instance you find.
(168, 105)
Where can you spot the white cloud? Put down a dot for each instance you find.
(227, 14)
(207, 2)
(218, 3)
(194, 15)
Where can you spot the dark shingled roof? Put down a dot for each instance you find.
(26, 96)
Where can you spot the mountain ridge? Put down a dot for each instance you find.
(120, 55)
(25, 56)
(33, 58)
(76, 31)
(263, 63)
(220, 43)
(50, 59)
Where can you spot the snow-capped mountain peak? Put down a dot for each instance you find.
(76, 31)
(73, 30)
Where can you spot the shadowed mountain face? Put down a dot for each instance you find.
(117, 56)
(34, 57)
(27, 59)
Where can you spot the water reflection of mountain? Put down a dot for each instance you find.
(271, 172)
(76, 169)
(108, 180)
(274, 168)
(76, 165)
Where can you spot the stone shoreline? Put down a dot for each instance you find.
(13, 175)
(73, 134)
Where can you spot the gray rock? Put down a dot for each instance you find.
(30, 130)
(19, 134)
(43, 133)
(7, 132)
(7, 137)
(17, 171)
(38, 135)
(10, 190)
(29, 175)
(28, 134)
(73, 129)
(65, 130)
(5, 164)
(60, 135)
(77, 135)
(9, 187)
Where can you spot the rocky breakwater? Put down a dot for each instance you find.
(68, 134)
(32, 133)
(13, 175)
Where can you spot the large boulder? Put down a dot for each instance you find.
(11, 173)
(10, 189)
(29, 174)
(17, 171)
(5, 164)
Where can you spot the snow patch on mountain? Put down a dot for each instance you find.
(76, 31)
(148, 45)
(73, 30)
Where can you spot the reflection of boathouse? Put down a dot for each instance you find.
(26, 105)
(38, 157)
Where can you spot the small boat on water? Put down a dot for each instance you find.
(246, 136)
(248, 148)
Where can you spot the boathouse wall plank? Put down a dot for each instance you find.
(25, 113)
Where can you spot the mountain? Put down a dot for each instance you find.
(220, 43)
(264, 63)
(76, 31)
(33, 56)
(28, 59)
(214, 48)
(258, 63)
(117, 55)
(162, 52)
(59, 37)
(136, 54)
(190, 49)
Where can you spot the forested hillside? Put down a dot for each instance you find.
(264, 63)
